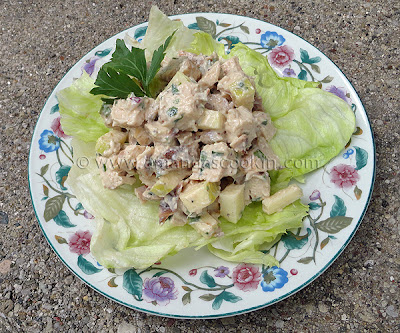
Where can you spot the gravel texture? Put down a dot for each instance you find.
(41, 40)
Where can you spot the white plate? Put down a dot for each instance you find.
(189, 285)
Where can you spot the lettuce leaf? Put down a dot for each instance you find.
(159, 28)
(312, 125)
(245, 240)
(79, 110)
(128, 233)
(205, 44)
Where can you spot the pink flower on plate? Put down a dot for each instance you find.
(344, 176)
(79, 242)
(246, 277)
(57, 129)
(281, 56)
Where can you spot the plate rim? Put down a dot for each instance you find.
(232, 313)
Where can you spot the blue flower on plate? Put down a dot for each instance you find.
(48, 141)
(274, 278)
(271, 39)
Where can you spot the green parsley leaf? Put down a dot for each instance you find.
(111, 83)
(156, 60)
(127, 72)
(131, 62)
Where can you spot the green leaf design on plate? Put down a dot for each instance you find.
(186, 298)
(357, 193)
(304, 55)
(338, 208)
(315, 68)
(79, 206)
(62, 175)
(292, 241)
(133, 283)
(160, 273)
(60, 240)
(305, 260)
(186, 288)
(207, 279)
(103, 53)
(302, 75)
(324, 242)
(305, 58)
(207, 297)
(111, 283)
(53, 207)
(140, 32)
(206, 25)
(361, 158)
(225, 25)
(45, 190)
(327, 79)
(358, 131)
(86, 266)
(54, 109)
(44, 169)
(217, 302)
(225, 296)
(231, 40)
(314, 205)
(245, 29)
(63, 220)
(193, 26)
(333, 225)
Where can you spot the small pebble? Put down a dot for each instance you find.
(322, 307)
(5, 266)
(369, 263)
(279, 323)
(125, 327)
(6, 306)
(392, 311)
(3, 218)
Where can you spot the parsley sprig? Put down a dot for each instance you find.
(127, 72)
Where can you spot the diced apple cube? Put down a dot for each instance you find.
(205, 224)
(231, 202)
(211, 120)
(197, 196)
(281, 199)
(168, 182)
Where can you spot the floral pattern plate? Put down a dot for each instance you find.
(195, 284)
